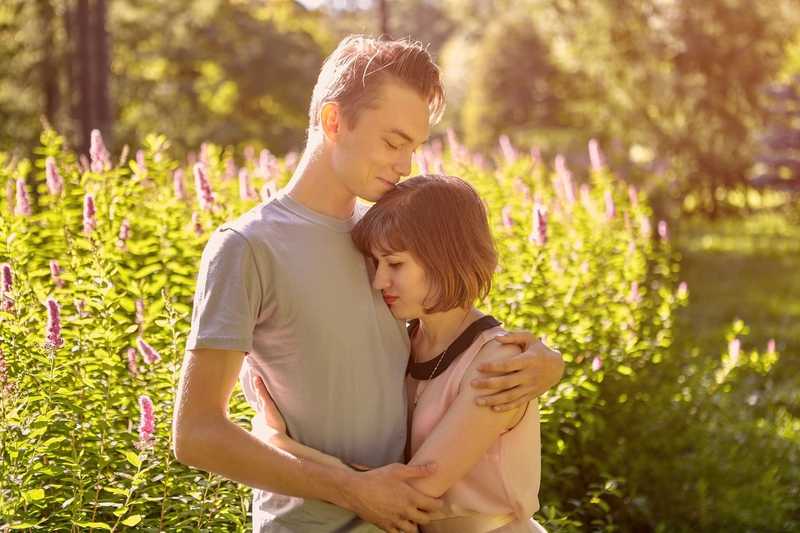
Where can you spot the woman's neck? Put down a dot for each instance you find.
(438, 330)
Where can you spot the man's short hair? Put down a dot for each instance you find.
(353, 74)
(442, 222)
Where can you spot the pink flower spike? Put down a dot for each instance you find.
(683, 290)
(508, 223)
(141, 163)
(508, 149)
(634, 296)
(98, 153)
(539, 234)
(597, 363)
(3, 368)
(734, 348)
(89, 211)
(560, 164)
(438, 166)
(771, 346)
(147, 423)
(249, 153)
(53, 179)
(198, 227)
(203, 187)
(596, 158)
(132, 360)
(422, 163)
(452, 141)
(55, 271)
(633, 194)
(569, 187)
(54, 340)
(611, 209)
(149, 354)
(11, 186)
(477, 160)
(7, 277)
(23, 206)
(230, 170)
(177, 183)
(291, 160)
(245, 191)
(645, 228)
(125, 230)
(663, 231)
(140, 311)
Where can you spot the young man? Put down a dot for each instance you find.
(284, 286)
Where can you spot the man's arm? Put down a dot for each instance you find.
(524, 377)
(207, 439)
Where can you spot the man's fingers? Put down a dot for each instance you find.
(512, 364)
(415, 471)
(504, 382)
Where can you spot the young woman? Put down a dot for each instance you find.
(434, 257)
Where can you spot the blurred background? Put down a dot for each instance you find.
(696, 102)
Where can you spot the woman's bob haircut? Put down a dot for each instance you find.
(442, 222)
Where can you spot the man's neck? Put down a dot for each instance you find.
(313, 186)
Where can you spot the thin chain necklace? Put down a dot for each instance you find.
(417, 392)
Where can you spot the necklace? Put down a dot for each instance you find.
(417, 392)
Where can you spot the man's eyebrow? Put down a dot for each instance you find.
(404, 135)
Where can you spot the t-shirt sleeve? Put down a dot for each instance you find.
(228, 295)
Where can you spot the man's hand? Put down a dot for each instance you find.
(525, 376)
(266, 405)
(382, 498)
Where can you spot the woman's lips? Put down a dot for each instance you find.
(389, 299)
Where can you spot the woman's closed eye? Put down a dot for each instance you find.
(395, 265)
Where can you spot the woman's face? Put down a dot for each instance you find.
(402, 281)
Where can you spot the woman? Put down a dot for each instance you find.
(434, 256)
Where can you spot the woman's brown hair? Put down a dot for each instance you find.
(442, 222)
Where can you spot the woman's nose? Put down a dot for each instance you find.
(380, 281)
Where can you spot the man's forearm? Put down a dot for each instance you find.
(222, 447)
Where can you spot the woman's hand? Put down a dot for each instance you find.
(272, 422)
(525, 376)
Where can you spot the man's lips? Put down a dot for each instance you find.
(389, 299)
(387, 183)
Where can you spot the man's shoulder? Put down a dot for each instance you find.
(256, 223)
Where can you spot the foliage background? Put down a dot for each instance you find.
(696, 104)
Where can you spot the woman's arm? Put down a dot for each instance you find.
(467, 430)
(270, 427)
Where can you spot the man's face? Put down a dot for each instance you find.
(370, 158)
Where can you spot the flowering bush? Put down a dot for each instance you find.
(100, 259)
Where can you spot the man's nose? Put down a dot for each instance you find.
(403, 166)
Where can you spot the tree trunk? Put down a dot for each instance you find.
(101, 68)
(383, 16)
(49, 65)
(84, 106)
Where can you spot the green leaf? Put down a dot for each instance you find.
(624, 370)
(134, 459)
(25, 525)
(132, 520)
(33, 495)
(98, 525)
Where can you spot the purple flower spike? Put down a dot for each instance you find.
(125, 230)
(149, 354)
(89, 211)
(663, 231)
(23, 201)
(508, 149)
(53, 179)
(98, 153)
(597, 363)
(54, 340)
(596, 156)
(611, 209)
(539, 234)
(422, 163)
(203, 186)
(177, 183)
(147, 423)
(8, 277)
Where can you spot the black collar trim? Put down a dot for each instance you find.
(423, 370)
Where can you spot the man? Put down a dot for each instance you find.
(284, 286)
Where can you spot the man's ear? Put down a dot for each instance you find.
(331, 121)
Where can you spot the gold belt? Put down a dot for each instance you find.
(473, 523)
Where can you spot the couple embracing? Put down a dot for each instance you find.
(354, 333)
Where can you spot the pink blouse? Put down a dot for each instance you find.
(504, 484)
